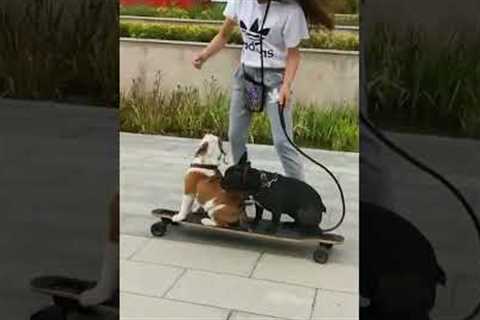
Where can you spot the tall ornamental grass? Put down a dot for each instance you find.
(185, 112)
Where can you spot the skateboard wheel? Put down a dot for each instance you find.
(320, 255)
(158, 229)
(327, 246)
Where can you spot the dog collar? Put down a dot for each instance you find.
(204, 166)
(207, 167)
(266, 182)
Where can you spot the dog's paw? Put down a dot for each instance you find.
(178, 218)
(208, 222)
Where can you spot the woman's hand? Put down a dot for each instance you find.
(198, 60)
(217, 43)
(293, 60)
(284, 95)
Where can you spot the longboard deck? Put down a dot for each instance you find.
(67, 288)
(286, 230)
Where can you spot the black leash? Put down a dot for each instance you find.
(423, 167)
(284, 127)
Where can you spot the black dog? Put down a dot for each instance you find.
(278, 194)
(399, 272)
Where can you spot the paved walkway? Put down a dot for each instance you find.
(57, 173)
(190, 274)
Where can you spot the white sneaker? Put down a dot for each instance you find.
(178, 218)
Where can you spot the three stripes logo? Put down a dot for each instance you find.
(254, 34)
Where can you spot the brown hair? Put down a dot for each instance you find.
(316, 12)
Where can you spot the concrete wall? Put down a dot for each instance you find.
(324, 76)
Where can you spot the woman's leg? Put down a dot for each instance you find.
(290, 158)
(239, 121)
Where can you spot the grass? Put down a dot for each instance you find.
(185, 112)
(346, 20)
(318, 39)
(215, 12)
(432, 87)
(51, 52)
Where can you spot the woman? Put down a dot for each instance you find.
(276, 28)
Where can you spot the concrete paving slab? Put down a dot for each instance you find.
(335, 306)
(130, 244)
(136, 307)
(213, 277)
(147, 279)
(243, 294)
(196, 256)
(332, 276)
(136, 225)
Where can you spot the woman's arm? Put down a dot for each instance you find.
(293, 61)
(217, 43)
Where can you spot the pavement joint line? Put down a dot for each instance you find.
(227, 274)
(221, 308)
(137, 250)
(195, 303)
(314, 302)
(303, 286)
(339, 291)
(255, 265)
(259, 314)
(175, 282)
(173, 300)
(243, 277)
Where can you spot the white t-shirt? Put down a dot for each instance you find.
(285, 28)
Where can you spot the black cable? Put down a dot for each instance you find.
(284, 127)
(423, 167)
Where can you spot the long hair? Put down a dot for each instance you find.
(316, 13)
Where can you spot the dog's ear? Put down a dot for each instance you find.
(202, 149)
(244, 159)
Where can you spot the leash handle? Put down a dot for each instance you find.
(334, 178)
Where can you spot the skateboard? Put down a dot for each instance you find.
(65, 293)
(286, 232)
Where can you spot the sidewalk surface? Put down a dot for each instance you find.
(192, 274)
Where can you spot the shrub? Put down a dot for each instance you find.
(343, 6)
(215, 12)
(139, 10)
(185, 112)
(414, 83)
(83, 64)
(319, 39)
(346, 20)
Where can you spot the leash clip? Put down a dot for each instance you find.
(267, 183)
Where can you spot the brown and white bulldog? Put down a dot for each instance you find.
(202, 185)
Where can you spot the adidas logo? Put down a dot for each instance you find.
(253, 33)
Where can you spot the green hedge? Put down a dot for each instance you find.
(346, 20)
(214, 12)
(319, 39)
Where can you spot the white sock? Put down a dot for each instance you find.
(108, 282)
